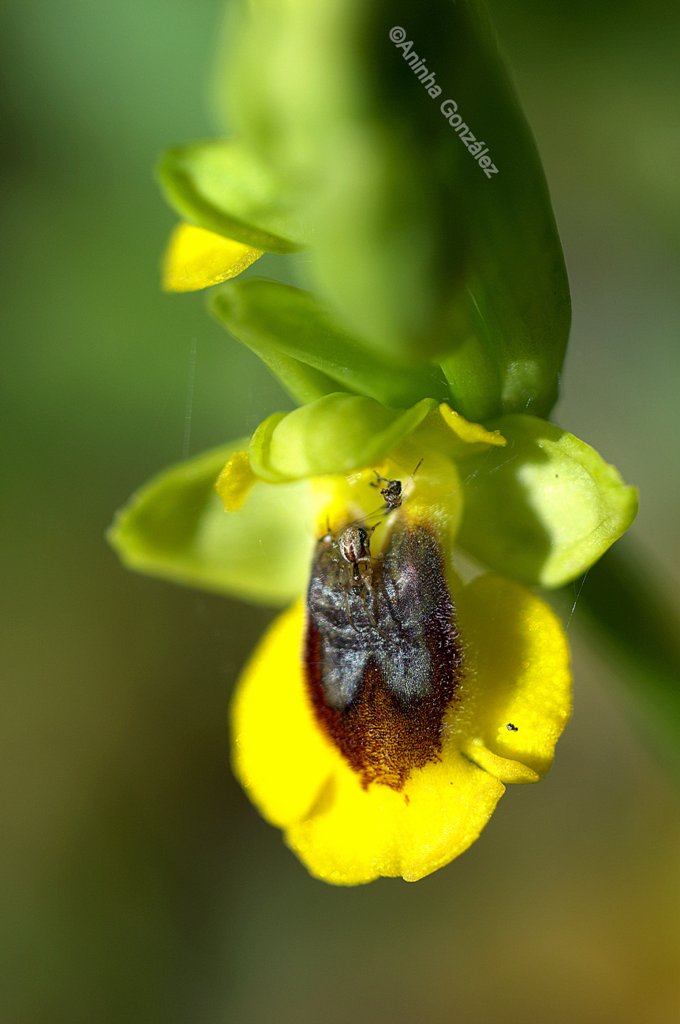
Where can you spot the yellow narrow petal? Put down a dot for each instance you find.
(235, 481)
(517, 676)
(196, 258)
(473, 436)
(354, 835)
(280, 755)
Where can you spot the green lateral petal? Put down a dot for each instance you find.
(336, 434)
(176, 528)
(544, 508)
(270, 317)
(420, 251)
(219, 185)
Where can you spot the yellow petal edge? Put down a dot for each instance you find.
(518, 671)
(196, 258)
(472, 437)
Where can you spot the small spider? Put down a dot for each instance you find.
(354, 544)
(391, 491)
(344, 565)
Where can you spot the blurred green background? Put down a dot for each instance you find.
(139, 883)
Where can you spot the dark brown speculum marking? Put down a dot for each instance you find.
(383, 660)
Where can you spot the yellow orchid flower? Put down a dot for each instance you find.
(379, 718)
(383, 713)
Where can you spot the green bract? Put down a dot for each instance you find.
(357, 146)
(541, 509)
(282, 323)
(412, 243)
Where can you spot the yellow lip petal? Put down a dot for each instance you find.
(346, 833)
(355, 835)
(518, 675)
(280, 756)
(196, 258)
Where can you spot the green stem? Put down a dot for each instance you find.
(626, 608)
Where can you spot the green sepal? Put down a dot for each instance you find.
(221, 186)
(273, 318)
(336, 434)
(175, 527)
(421, 253)
(544, 508)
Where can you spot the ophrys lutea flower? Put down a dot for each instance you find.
(384, 712)
(382, 715)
